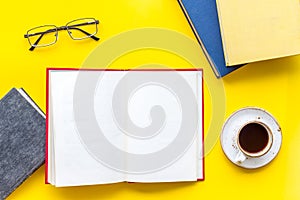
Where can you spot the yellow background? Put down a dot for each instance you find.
(272, 85)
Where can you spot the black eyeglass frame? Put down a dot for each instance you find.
(66, 27)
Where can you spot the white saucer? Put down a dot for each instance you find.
(235, 122)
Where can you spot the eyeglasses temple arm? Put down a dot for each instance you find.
(36, 43)
(39, 39)
(84, 24)
(86, 33)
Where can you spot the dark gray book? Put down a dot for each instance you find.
(22, 140)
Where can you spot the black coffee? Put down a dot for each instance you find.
(253, 138)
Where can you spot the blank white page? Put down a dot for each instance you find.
(185, 165)
(74, 165)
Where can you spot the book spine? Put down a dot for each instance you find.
(211, 63)
(222, 33)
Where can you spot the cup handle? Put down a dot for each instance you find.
(240, 157)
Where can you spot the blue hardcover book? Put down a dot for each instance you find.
(202, 15)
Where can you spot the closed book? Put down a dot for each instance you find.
(259, 30)
(203, 18)
(22, 140)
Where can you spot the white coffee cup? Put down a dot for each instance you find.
(253, 140)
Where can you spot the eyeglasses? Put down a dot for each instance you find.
(47, 35)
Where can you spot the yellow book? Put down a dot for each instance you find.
(254, 30)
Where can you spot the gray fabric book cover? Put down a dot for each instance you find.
(22, 140)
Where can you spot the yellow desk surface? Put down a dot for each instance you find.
(272, 85)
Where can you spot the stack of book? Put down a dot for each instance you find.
(233, 33)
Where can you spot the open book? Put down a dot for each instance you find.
(108, 126)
